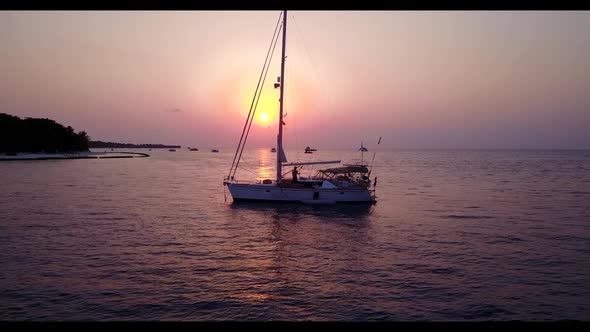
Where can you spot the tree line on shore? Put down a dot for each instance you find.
(101, 145)
(36, 135)
(39, 135)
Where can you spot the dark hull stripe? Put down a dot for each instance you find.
(253, 200)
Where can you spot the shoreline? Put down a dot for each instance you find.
(81, 155)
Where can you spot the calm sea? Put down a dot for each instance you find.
(455, 235)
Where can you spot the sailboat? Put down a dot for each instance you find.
(347, 183)
(309, 150)
(362, 148)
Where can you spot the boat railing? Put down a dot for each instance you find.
(259, 181)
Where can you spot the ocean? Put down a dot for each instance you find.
(454, 235)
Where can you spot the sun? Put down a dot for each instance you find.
(266, 109)
(263, 118)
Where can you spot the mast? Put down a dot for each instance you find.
(281, 153)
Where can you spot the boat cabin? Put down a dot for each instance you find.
(346, 175)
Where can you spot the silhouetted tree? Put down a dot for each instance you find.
(39, 135)
(102, 145)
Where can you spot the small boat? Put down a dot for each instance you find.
(362, 148)
(193, 149)
(309, 150)
(273, 150)
(214, 150)
(172, 150)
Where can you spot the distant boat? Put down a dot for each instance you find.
(214, 150)
(172, 150)
(328, 186)
(362, 148)
(193, 149)
(309, 150)
(273, 150)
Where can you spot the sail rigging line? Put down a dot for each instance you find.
(249, 167)
(256, 104)
(371, 167)
(257, 100)
(310, 61)
(299, 40)
(250, 117)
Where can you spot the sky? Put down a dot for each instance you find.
(418, 79)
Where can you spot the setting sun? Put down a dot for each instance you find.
(266, 109)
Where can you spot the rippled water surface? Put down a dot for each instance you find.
(455, 235)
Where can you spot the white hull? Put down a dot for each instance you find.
(273, 192)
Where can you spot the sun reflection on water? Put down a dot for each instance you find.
(265, 169)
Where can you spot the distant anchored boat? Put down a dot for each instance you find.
(214, 150)
(172, 150)
(273, 150)
(309, 150)
(194, 149)
(362, 148)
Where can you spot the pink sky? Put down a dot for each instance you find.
(420, 79)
